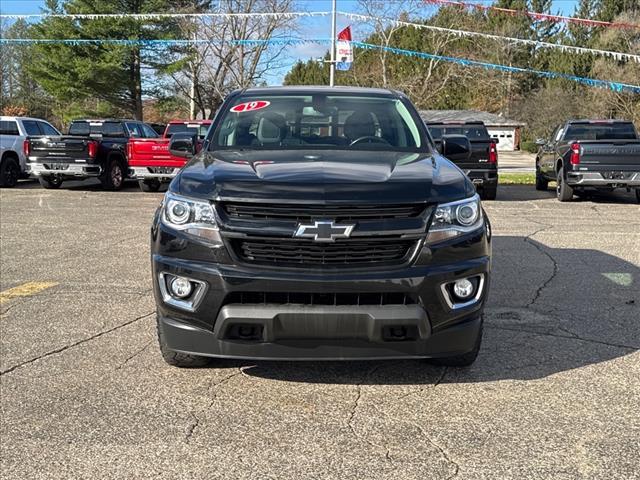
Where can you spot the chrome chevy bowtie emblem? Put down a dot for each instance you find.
(324, 231)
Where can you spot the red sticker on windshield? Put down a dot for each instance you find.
(250, 106)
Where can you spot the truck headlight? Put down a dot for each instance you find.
(195, 217)
(455, 218)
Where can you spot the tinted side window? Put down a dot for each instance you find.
(134, 130)
(48, 129)
(113, 129)
(9, 127)
(31, 127)
(148, 131)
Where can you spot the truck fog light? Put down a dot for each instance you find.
(463, 289)
(180, 287)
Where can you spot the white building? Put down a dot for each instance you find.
(507, 131)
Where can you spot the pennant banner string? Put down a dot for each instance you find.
(592, 82)
(465, 33)
(160, 16)
(535, 15)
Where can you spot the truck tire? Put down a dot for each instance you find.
(563, 191)
(638, 195)
(542, 183)
(9, 172)
(489, 193)
(149, 185)
(178, 359)
(50, 181)
(464, 360)
(114, 175)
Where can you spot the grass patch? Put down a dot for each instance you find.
(517, 178)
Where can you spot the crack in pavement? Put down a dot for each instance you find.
(556, 267)
(443, 452)
(424, 387)
(212, 388)
(75, 344)
(135, 354)
(354, 409)
(571, 336)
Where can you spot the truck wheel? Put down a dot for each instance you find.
(9, 172)
(563, 191)
(114, 175)
(464, 360)
(50, 181)
(149, 185)
(542, 183)
(177, 359)
(489, 193)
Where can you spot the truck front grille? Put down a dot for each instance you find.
(305, 213)
(302, 252)
(305, 298)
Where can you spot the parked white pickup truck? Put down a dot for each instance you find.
(13, 132)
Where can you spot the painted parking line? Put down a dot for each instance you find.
(24, 290)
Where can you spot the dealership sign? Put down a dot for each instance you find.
(344, 50)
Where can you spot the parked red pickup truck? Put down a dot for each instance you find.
(149, 159)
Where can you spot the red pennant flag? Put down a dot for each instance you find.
(345, 34)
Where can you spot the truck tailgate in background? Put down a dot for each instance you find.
(59, 149)
(151, 152)
(617, 154)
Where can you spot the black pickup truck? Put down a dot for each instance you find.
(93, 148)
(320, 223)
(482, 165)
(583, 155)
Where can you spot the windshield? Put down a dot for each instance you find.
(201, 130)
(319, 121)
(472, 132)
(601, 131)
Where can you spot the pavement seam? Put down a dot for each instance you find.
(75, 344)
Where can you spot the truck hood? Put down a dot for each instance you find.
(323, 175)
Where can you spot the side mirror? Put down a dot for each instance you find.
(540, 142)
(183, 145)
(456, 147)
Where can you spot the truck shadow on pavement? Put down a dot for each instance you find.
(550, 311)
(521, 193)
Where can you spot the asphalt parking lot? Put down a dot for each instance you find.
(554, 394)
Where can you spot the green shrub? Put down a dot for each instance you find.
(530, 147)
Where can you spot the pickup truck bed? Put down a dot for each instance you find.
(482, 165)
(590, 154)
(150, 161)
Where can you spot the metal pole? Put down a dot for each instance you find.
(332, 65)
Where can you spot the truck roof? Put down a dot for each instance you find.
(603, 120)
(10, 117)
(105, 120)
(190, 122)
(311, 89)
(457, 122)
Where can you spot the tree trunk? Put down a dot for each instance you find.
(136, 84)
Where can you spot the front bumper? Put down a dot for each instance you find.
(147, 173)
(604, 179)
(64, 169)
(336, 331)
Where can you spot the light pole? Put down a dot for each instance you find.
(332, 64)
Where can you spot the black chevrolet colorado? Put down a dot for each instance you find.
(93, 148)
(320, 223)
(584, 155)
(482, 165)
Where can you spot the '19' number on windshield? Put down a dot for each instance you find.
(250, 106)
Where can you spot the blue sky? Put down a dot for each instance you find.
(314, 27)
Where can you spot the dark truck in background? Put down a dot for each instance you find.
(93, 148)
(482, 165)
(584, 155)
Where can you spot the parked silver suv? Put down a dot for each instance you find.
(13, 133)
